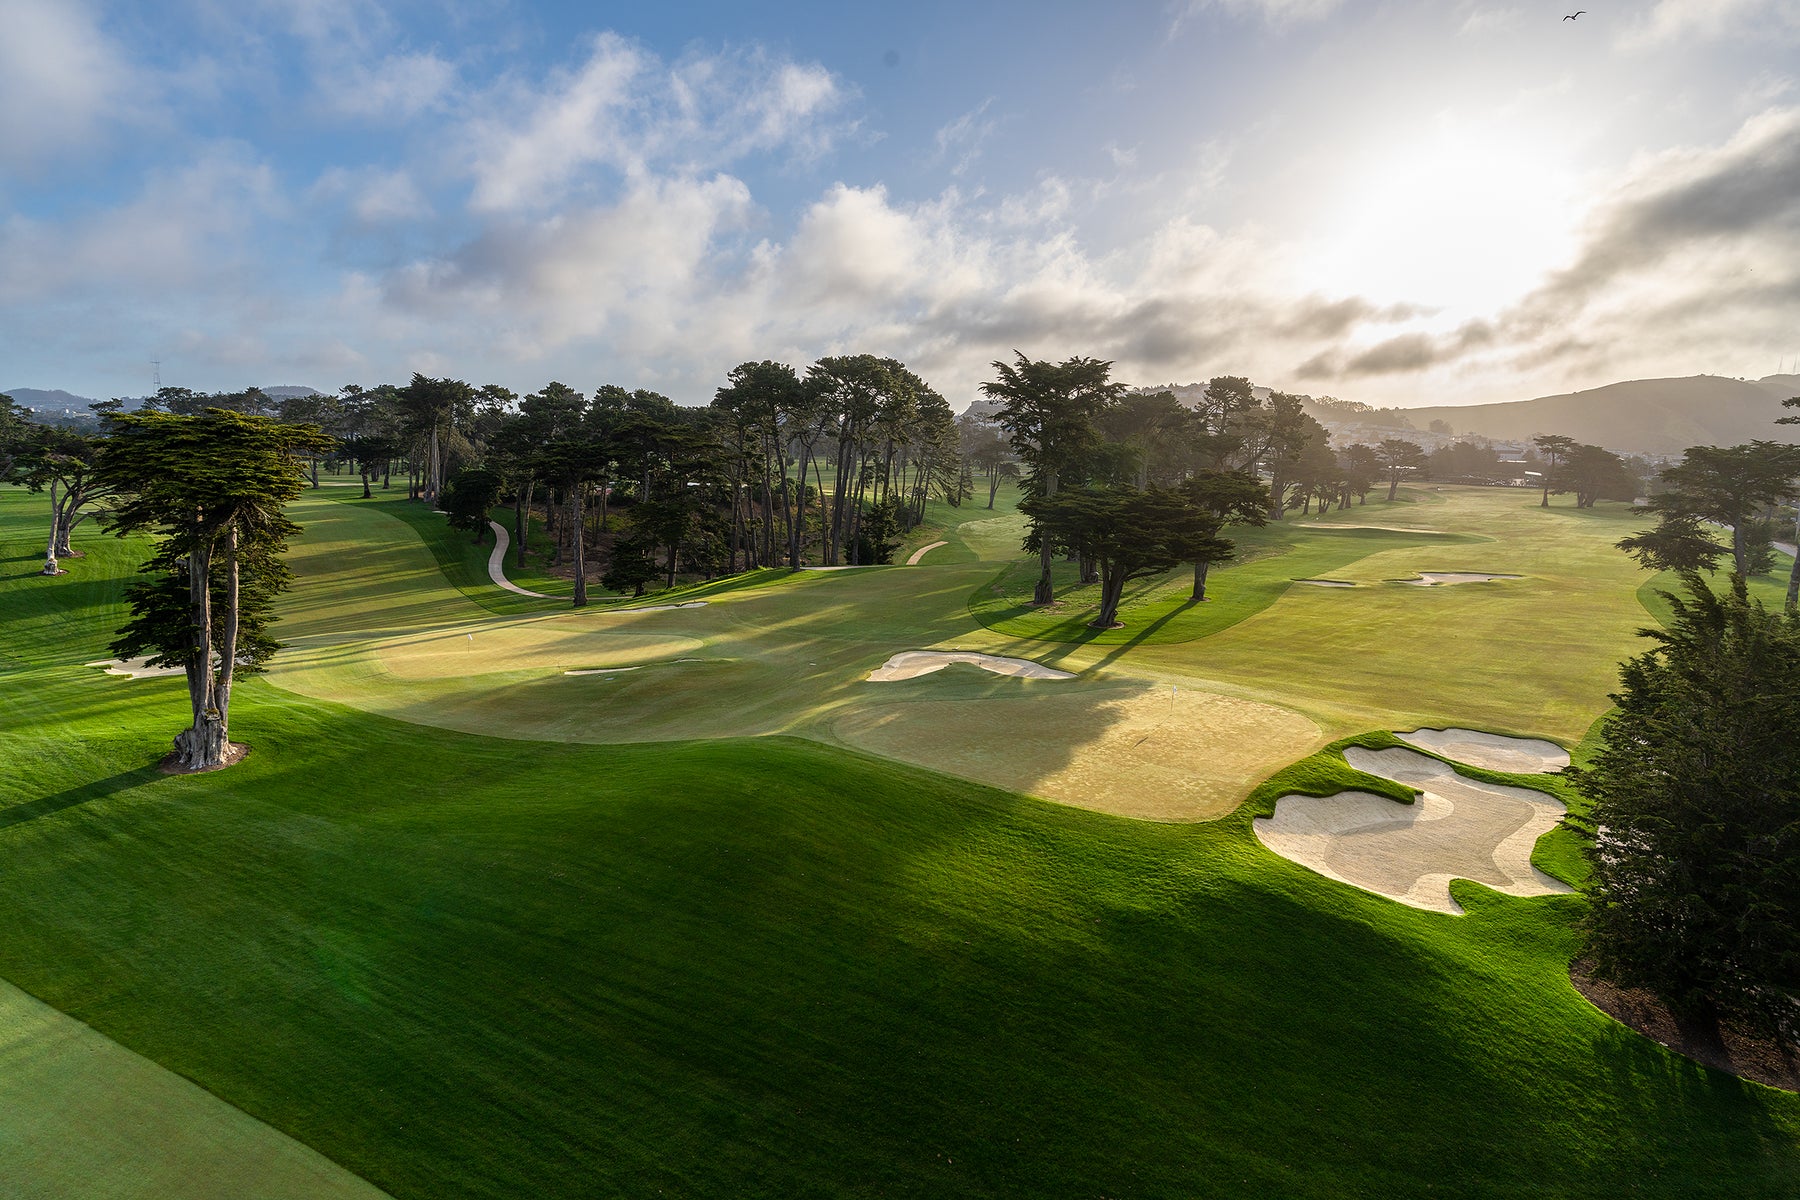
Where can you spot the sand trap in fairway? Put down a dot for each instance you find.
(1458, 829)
(658, 607)
(1436, 578)
(1491, 751)
(1325, 582)
(135, 668)
(910, 664)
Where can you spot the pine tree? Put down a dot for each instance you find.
(212, 487)
(1696, 815)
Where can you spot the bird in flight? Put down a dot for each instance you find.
(1572, 16)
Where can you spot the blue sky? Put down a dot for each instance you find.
(1401, 203)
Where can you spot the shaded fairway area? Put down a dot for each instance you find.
(465, 966)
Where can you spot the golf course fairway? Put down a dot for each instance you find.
(751, 925)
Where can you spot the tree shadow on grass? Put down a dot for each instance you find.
(46, 806)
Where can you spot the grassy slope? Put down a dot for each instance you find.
(464, 966)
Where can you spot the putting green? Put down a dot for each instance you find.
(80, 1115)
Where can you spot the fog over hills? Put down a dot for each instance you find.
(1650, 416)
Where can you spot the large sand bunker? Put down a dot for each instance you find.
(1442, 578)
(910, 664)
(1491, 751)
(1458, 829)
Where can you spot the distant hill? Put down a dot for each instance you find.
(1646, 416)
(54, 400)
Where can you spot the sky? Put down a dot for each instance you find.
(1390, 201)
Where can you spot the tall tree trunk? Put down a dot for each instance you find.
(993, 486)
(1045, 591)
(203, 744)
(436, 479)
(1793, 592)
(1394, 488)
(365, 481)
(579, 546)
(1200, 569)
(521, 522)
(50, 564)
(1112, 587)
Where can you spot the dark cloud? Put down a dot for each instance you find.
(1746, 191)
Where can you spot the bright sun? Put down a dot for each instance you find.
(1461, 221)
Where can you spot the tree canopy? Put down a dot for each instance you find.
(212, 488)
(1696, 814)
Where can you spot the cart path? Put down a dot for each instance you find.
(498, 573)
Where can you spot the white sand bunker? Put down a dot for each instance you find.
(1459, 829)
(910, 664)
(1435, 578)
(658, 607)
(604, 670)
(1326, 582)
(1491, 751)
(135, 668)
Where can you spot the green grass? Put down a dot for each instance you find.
(1160, 610)
(467, 966)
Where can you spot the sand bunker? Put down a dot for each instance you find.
(135, 668)
(1325, 582)
(910, 664)
(1458, 829)
(604, 670)
(658, 607)
(1435, 578)
(1491, 751)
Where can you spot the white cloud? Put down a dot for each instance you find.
(1672, 22)
(373, 196)
(959, 142)
(1279, 14)
(397, 86)
(625, 111)
(186, 229)
(62, 80)
(1484, 20)
(632, 265)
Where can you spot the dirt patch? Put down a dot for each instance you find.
(235, 753)
(1737, 1050)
